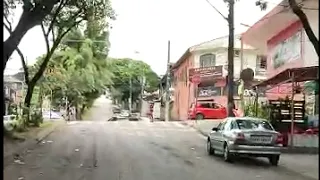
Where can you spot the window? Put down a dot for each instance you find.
(227, 125)
(236, 53)
(253, 124)
(233, 125)
(222, 126)
(261, 62)
(207, 60)
(205, 105)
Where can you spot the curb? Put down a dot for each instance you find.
(7, 158)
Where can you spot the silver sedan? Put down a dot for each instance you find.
(245, 136)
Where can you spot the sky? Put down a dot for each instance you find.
(143, 27)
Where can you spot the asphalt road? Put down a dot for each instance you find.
(124, 150)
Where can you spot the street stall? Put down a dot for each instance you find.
(289, 114)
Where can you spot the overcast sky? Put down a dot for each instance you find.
(145, 26)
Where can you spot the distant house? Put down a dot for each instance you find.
(12, 90)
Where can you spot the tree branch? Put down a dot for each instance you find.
(9, 26)
(305, 23)
(23, 61)
(46, 38)
(55, 45)
(55, 15)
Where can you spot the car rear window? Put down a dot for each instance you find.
(253, 124)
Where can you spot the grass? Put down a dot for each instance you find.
(33, 131)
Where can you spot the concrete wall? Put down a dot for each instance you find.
(181, 90)
(304, 140)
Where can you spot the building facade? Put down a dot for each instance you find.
(209, 60)
(280, 36)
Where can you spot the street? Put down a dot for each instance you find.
(129, 150)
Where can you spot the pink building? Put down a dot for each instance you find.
(209, 59)
(280, 36)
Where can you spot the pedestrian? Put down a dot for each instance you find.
(68, 113)
(150, 113)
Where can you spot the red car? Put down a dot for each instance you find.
(207, 110)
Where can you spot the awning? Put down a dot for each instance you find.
(300, 75)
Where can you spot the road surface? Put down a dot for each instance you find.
(124, 150)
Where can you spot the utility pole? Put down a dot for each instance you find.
(230, 58)
(167, 106)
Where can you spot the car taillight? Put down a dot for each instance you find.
(240, 136)
(279, 139)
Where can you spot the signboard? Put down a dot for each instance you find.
(196, 79)
(286, 51)
(206, 73)
(209, 91)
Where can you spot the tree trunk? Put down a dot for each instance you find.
(78, 112)
(305, 23)
(27, 100)
(82, 111)
(10, 45)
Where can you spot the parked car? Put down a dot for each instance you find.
(116, 110)
(54, 115)
(134, 117)
(207, 110)
(248, 136)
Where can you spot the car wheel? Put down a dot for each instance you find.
(227, 156)
(274, 160)
(210, 150)
(199, 117)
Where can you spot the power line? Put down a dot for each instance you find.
(95, 41)
(216, 10)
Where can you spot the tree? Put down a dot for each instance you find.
(297, 10)
(79, 68)
(65, 16)
(123, 70)
(33, 14)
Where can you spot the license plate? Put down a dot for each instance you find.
(260, 139)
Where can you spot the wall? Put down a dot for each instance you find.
(249, 60)
(274, 41)
(181, 90)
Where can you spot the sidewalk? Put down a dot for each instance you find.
(304, 164)
(33, 137)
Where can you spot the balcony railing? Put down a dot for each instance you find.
(260, 72)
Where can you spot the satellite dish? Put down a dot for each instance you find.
(247, 75)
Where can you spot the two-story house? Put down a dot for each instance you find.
(281, 37)
(210, 60)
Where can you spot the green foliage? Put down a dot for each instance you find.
(79, 71)
(261, 111)
(123, 70)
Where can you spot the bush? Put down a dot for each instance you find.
(262, 111)
(36, 119)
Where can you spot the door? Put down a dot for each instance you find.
(216, 136)
(205, 109)
(219, 112)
